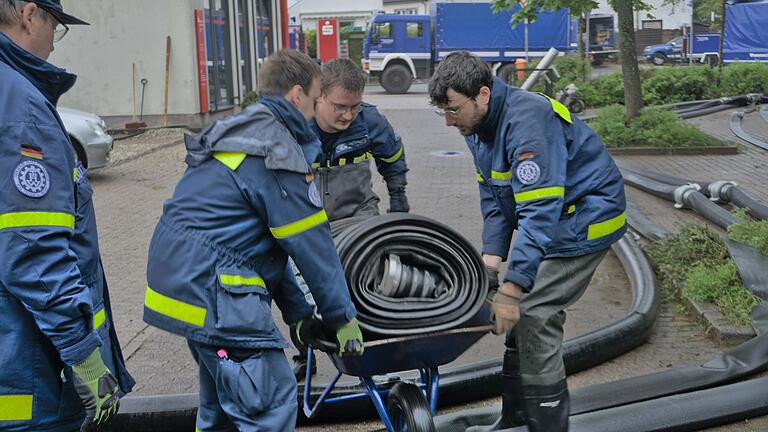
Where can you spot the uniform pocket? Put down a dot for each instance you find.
(242, 303)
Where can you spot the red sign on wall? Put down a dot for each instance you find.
(327, 40)
(202, 60)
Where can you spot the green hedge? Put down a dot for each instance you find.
(654, 127)
(669, 84)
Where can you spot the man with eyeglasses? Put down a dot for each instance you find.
(62, 368)
(352, 133)
(546, 174)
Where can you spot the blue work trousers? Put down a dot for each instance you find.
(250, 391)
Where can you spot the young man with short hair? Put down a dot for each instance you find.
(219, 254)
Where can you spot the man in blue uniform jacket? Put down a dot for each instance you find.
(352, 133)
(61, 368)
(547, 175)
(219, 254)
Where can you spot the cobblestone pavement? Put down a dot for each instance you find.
(129, 198)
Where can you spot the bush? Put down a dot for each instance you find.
(743, 78)
(569, 68)
(721, 286)
(250, 98)
(750, 232)
(602, 91)
(654, 127)
(678, 84)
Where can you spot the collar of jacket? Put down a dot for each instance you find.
(487, 130)
(357, 129)
(49, 79)
(288, 115)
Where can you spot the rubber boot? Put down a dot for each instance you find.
(547, 407)
(512, 406)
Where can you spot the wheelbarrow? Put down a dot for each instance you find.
(409, 406)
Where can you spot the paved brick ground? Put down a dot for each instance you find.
(129, 200)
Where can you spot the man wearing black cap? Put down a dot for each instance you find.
(61, 368)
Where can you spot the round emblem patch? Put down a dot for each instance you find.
(528, 172)
(32, 179)
(314, 195)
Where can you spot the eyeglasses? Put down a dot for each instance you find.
(59, 31)
(342, 109)
(453, 112)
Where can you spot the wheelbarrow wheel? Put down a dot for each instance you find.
(408, 409)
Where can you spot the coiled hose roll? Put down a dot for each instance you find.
(409, 275)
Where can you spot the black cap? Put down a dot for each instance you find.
(54, 8)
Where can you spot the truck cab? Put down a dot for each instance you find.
(398, 49)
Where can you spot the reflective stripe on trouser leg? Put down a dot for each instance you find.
(257, 393)
(559, 283)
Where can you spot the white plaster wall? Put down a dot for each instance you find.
(123, 32)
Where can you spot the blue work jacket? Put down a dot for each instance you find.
(546, 174)
(219, 254)
(54, 303)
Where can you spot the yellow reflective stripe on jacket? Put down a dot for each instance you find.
(342, 162)
(604, 228)
(362, 158)
(316, 165)
(15, 407)
(506, 175)
(550, 192)
(480, 178)
(240, 280)
(559, 109)
(571, 208)
(175, 309)
(231, 159)
(98, 318)
(300, 226)
(74, 174)
(30, 219)
(394, 157)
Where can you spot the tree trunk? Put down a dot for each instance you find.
(720, 50)
(633, 96)
(582, 51)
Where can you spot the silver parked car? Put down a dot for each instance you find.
(89, 136)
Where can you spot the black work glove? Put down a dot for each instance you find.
(307, 333)
(398, 202)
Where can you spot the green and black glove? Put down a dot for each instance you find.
(350, 339)
(98, 390)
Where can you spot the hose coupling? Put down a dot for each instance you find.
(719, 189)
(682, 192)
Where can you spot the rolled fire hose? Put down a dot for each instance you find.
(408, 274)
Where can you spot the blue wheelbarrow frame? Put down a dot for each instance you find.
(423, 352)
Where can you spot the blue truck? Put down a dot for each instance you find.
(401, 48)
(746, 39)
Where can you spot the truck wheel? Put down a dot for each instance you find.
(659, 59)
(507, 72)
(712, 61)
(396, 79)
(408, 409)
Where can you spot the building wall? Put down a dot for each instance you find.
(312, 10)
(673, 17)
(125, 32)
(419, 7)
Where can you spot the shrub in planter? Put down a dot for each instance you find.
(679, 84)
(743, 78)
(603, 91)
(654, 127)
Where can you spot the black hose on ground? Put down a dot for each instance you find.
(688, 196)
(659, 177)
(738, 130)
(678, 413)
(731, 192)
(457, 384)
(409, 275)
